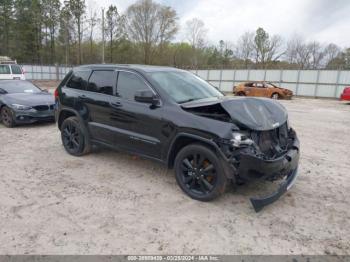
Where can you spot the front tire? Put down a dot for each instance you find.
(7, 117)
(75, 137)
(199, 172)
(275, 96)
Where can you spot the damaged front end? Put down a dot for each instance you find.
(267, 155)
(263, 147)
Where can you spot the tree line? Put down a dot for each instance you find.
(72, 33)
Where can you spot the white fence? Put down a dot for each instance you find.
(313, 83)
(50, 72)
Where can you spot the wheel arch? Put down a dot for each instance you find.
(64, 114)
(183, 139)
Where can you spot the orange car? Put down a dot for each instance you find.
(262, 89)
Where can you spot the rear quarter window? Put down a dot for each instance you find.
(79, 80)
(16, 70)
(5, 70)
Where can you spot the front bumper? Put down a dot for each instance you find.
(32, 116)
(252, 167)
(288, 96)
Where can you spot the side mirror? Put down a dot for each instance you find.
(147, 96)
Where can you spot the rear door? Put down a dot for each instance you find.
(97, 101)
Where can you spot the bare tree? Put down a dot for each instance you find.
(298, 52)
(331, 52)
(151, 24)
(196, 32)
(245, 47)
(316, 54)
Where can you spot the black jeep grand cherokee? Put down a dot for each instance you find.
(174, 117)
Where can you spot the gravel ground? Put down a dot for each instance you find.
(113, 203)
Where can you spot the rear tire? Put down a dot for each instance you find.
(7, 117)
(240, 94)
(75, 137)
(199, 172)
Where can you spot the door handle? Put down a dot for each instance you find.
(116, 104)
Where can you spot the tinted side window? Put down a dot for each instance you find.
(16, 70)
(102, 82)
(79, 80)
(4, 69)
(128, 84)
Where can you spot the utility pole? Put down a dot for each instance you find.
(103, 36)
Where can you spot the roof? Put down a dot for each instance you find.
(144, 68)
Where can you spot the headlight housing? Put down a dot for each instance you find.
(20, 107)
(240, 139)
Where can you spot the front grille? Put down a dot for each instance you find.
(272, 142)
(44, 107)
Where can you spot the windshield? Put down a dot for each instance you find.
(184, 86)
(14, 86)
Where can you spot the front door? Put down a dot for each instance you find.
(138, 124)
(259, 89)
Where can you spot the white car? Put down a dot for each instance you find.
(11, 71)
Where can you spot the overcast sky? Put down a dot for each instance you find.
(322, 20)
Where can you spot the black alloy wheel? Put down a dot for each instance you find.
(199, 172)
(74, 137)
(7, 117)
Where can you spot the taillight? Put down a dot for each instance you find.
(56, 93)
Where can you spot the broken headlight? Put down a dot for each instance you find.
(241, 139)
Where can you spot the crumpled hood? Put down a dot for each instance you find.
(258, 114)
(30, 99)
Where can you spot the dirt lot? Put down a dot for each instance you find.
(111, 203)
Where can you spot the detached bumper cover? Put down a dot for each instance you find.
(252, 167)
(260, 203)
